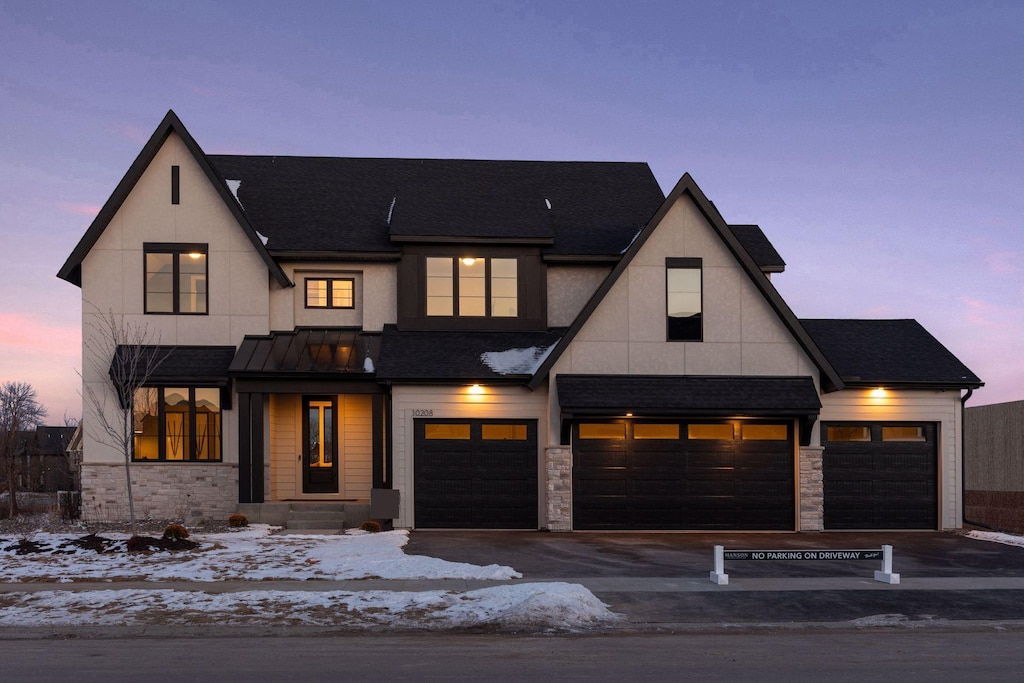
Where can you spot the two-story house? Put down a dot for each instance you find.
(505, 344)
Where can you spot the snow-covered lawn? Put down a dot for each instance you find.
(254, 554)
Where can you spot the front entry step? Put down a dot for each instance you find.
(324, 516)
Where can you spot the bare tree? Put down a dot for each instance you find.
(128, 353)
(19, 411)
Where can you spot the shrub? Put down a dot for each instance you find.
(237, 520)
(138, 543)
(370, 526)
(175, 532)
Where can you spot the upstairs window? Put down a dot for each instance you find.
(684, 299)
(330, 293)
(472, 287)
(176, 278)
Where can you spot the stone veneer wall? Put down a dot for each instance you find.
(185, 491)
(812, 489)
(558, 471)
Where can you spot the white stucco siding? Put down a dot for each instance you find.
(375, 301)
(410, 403)
(941, 407)
(742, 333)
(113, 275)
(569, 290)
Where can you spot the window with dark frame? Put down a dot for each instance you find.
(177, 424)
(176, 279)
(330, 292)
(684, 299)
(472, 287)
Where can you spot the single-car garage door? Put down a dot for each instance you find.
(630, 474)
(880, 476)
(475, 474)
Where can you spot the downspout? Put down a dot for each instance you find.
(963, 465)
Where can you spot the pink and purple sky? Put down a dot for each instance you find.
(880, 145)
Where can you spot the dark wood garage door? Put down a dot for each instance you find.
(475, 474)
(880, 476)
(683, 475)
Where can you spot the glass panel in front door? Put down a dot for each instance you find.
(321, 434)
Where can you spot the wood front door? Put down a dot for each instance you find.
(320, 445)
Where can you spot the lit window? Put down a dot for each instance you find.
(472, 287)
(330, 293)
(709, 431)
(603, 430)
(458, 432)
(176, 278)
(903, 434)
(655, 431)
(503, 432)
(849, 433)
(177, 423)
(762, 432)
(683, 299)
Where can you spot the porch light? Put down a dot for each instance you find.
(475, 389)
(629, 414)
(469, 260)
(880, 392)
(195, 255)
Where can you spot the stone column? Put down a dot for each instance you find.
(812, 489)
(558, 473)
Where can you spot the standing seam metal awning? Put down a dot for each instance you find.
(307, 352)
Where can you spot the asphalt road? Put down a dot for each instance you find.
(834, 656)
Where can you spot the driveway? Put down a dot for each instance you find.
(663, 578)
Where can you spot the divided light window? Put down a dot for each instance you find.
(330, 292)
(176, 278)
(683, 296)
(177, 424)
(472, 287)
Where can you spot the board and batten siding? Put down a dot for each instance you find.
(940, 407)
(410, 403)
(355, 448)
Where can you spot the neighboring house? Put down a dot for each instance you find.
(994, 464)
(506, 344)
(44, 462)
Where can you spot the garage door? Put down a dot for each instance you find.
(475, 474)
(683, 475)
(880, 476)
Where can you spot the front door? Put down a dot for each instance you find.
(319, 445)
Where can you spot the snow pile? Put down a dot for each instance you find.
(996, 537)
(539, 605)
(516, 361)
(251, 555)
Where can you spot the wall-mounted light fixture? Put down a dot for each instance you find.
(475, 390)
(469, 260)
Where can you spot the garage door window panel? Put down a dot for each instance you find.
(903, 434)
(446, 432)
(602, 430)
(712, 432)
(643, 430)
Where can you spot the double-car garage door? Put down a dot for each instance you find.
(632, 474)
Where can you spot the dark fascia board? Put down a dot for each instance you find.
(830, 379)
(447, 239)
(922, 385)
(580, 259)
(362, 257)
(72, 268)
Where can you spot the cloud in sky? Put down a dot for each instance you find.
(45, 356)
(80, 209)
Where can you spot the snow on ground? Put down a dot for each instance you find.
(562, 606)
(1006, 539)
(255, 554)
(252, 554)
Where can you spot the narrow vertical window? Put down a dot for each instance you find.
(175, 185)
(440, 286)
(472, 287)
(504, 288)
(683, 297)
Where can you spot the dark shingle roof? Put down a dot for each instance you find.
(359, 205)
(896, 352)
(183, 364)
(429, 355)
(759, 247)
(687, 395)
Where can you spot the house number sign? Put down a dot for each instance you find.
(423, 412)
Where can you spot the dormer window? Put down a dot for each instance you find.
(176, 278)
(334, 292)
(472, 287)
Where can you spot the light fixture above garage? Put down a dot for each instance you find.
(475, 389)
